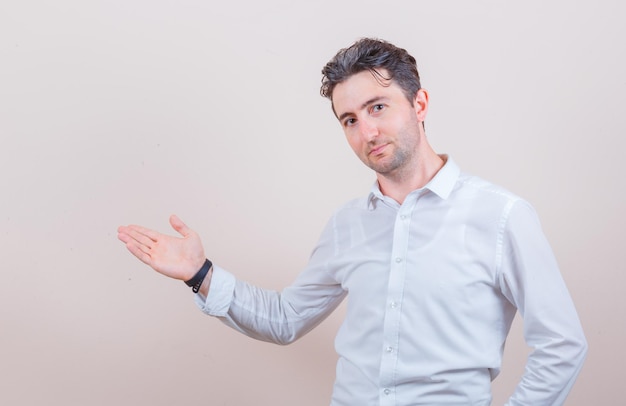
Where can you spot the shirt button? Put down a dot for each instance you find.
(398, 260)
(403, 217)
(393, 305)
(387, 391)
(389, 349)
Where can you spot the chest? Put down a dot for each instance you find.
(420, 255)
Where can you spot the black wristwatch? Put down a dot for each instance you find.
(198, 278)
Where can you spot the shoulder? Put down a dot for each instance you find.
(492, 200)
(475, 184)
(485, 191)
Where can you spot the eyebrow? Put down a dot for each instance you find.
(371, 101)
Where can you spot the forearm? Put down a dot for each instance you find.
(278, 317)
(550, 373)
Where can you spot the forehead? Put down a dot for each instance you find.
(355, 92)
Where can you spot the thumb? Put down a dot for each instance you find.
(179, 226)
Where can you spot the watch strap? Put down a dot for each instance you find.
(198, 278)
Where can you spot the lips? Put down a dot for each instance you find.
(377, 150)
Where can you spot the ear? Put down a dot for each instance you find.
(420, 104)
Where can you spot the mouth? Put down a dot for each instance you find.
(377, 150)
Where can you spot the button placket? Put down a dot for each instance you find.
(392, 312)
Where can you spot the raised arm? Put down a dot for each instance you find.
(279, 317)
(176, 257)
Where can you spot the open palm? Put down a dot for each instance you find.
(176, 257)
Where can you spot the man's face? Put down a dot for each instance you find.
(380, 124)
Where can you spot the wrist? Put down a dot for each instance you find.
(206, 284)
(196, 281)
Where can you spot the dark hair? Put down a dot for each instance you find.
(372, 54)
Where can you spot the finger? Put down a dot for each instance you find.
(123, 236)
(122, 232)
(139, 253)
(141, 240)
(179, 226)
(129, 240)
(153, 235)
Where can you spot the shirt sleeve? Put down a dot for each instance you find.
(278, 317)
(220, 294)
(530, 279)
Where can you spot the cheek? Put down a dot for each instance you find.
(397, 123)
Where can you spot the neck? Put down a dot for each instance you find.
(400, 183)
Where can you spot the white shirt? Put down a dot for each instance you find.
(433, 285)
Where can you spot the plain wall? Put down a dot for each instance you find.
(116, 112)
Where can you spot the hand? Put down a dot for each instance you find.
(176, 257)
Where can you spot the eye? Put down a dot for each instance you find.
(349, 122)
(377, 107)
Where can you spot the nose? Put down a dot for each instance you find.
(369, 129)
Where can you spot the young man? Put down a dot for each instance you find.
(435, 262)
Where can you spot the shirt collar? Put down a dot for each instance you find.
(441, 184)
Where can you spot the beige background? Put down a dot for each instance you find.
(116, 112)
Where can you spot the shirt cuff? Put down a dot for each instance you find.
(220, 294)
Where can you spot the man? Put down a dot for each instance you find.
(435, 263)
